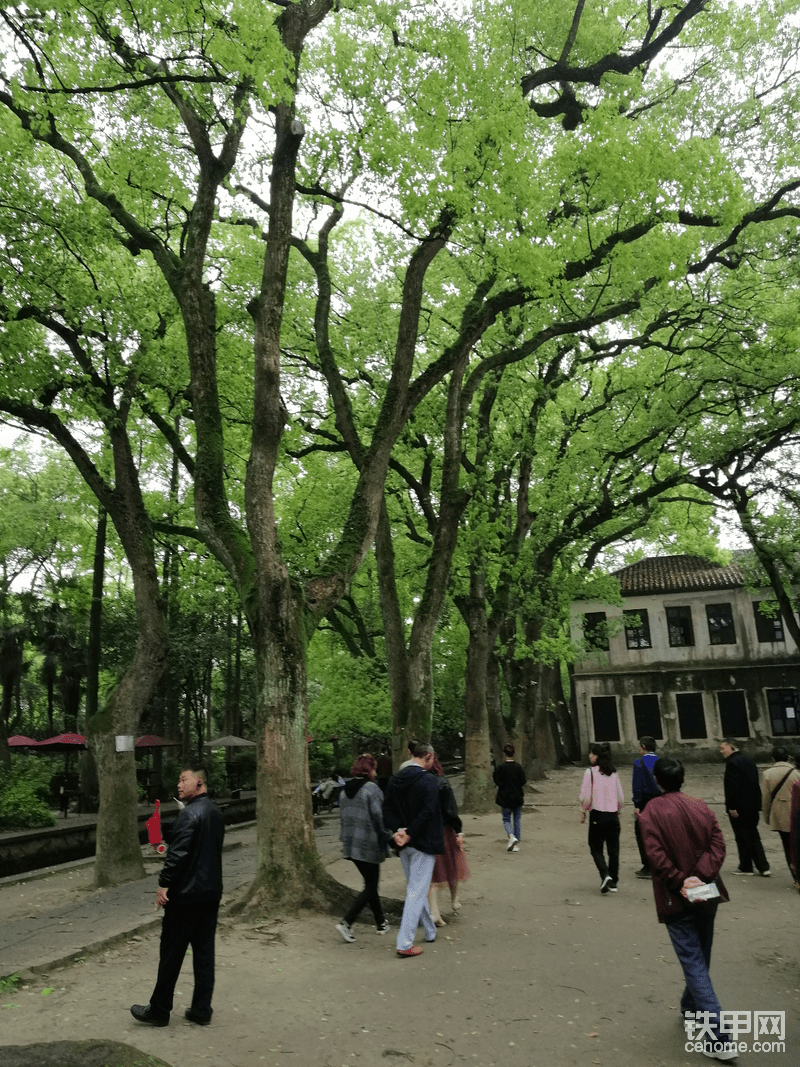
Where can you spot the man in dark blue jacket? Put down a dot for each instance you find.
(411, 809)
(189, 891)
(643, 790)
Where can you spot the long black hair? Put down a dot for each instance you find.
(602, 750)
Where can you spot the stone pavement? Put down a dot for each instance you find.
(39, 935)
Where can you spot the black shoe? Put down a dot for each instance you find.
(606, 884)
(194, 1017)
(644, 872)
(143, 1013)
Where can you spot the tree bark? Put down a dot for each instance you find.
(478, 785)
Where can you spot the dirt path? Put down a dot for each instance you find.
(538, 970)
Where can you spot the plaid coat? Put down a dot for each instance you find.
(363, 835)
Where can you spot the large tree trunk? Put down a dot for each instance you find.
(289, 873)
(478, 785)
(497, 727)
(119, 856)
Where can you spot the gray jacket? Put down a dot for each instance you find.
(363, 835)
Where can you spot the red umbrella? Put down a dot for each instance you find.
(18, 741)
(63, 742)
(154, 741)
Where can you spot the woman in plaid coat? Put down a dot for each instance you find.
(365, 840)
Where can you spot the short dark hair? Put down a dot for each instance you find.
(508, 750)
(648, 743)
(669, 773)
(363, 766)
(422, 748)
(780, 754)
(730, 741)
(199, 772)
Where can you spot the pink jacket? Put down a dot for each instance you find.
(682, 839)
(601, 792)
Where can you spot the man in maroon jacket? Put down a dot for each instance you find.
(685, 849)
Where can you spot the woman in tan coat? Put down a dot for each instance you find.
(776, 792)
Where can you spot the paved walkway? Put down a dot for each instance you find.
(40, 933)
(537, 970)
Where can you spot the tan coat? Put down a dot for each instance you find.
(779, 812)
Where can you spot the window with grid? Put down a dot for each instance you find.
(595, 630)
(637, 629)
(768, 627)
(679, 626)
(783, 711)
(721, 630)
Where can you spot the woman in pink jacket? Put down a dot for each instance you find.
(601, 797)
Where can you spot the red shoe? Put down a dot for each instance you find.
(413, 951)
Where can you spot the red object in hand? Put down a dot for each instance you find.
(153, 825)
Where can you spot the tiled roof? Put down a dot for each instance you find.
(678, 574)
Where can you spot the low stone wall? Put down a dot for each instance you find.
(30, 850)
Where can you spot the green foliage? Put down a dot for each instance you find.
(9, 984)
(22, 793)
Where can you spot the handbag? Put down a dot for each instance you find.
(775, 792)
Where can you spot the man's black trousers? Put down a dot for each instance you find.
(192, 924)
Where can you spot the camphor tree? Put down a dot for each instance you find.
(524, 162)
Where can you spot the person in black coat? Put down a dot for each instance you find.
(189, 891)
(509, 778)
(743, 805)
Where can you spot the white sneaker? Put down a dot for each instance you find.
(511, 842)
(346, 931)
(515, 849)
(727, 1050)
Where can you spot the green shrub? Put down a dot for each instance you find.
(21, 808)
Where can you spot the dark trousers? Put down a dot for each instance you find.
(786, 841)
(691, 936)
(192, 924)
(604, 831)
(370, 872)
(638, 832)
(748, 842)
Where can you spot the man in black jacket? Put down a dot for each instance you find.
(189, 891)
(743, 804)
(411, 809)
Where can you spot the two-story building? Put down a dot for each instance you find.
(690, 657)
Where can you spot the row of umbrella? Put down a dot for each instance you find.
(70, 742)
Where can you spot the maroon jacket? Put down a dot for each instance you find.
(682, 839)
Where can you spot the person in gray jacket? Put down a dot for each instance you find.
(365, 841)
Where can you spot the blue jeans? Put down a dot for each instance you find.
(691, 936)
(418, 868)
(508, 815)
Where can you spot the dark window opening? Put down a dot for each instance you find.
(768, 627)
(647, 715)
(733, 713)
(595, 630)
(783, 711)
(679, 626)
(691, 718)
(604, 716)
(637, 629)
(721, 630)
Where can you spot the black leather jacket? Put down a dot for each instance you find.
(192, 872)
